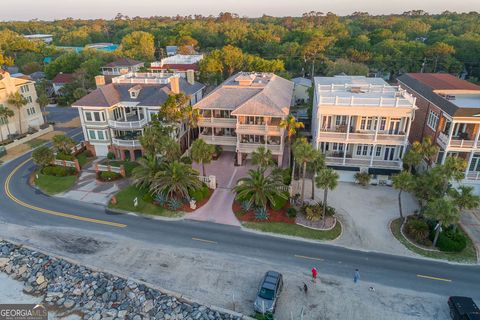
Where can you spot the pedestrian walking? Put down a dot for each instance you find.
(356, 276)
(314, 274)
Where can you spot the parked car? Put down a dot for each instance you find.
(268, 292)
(463, 308)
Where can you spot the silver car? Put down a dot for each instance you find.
(268, 292)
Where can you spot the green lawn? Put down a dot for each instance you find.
(35, 143)
(125, 202)
(129, 165)
(469, 254)
(52, 185)
(83, 159)
(295, 230)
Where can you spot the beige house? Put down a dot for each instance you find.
(29, 116)
(361, 124)
(244, 113)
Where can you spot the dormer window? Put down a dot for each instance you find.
(133, 94)
(134, 91)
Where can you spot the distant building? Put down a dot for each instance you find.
(178, 63)
(37, 76)
(113, 116)
(300, 90)
(361, 124)
(119, 67)
(244, 113)
(171, 50)
(61, 80)
(449, 111)
(47, 38)
(30, 115)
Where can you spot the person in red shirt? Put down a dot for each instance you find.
(314, 274)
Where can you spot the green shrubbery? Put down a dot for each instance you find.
(108, 176)
(186, 160)
(279, 202)
(418, 230)
(451, 241)
(58, 171)
(314, 212)
(291, 212)
(64, 156)
(200, 194)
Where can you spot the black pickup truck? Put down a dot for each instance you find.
(463, 308)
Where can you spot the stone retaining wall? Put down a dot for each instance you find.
(98, 295)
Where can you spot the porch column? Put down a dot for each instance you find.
(377, 125)
(409, 125)
(450, 132)
(344, 153)
(138, 113)
(476, 136)
(373, 154)
(470, 157)
(348, 125)
(444, 157)
(124, 114)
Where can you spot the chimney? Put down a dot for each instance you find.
(191, 76)
(99, 81)
(175, 84)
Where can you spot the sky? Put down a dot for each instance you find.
(59, 9)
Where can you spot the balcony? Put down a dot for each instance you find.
(219, 140)
(250, 147)
(259, 129)
(217, 122)
(126, 143)
(455, 142)
(136, 124)
(472, 175)
(341, 137)
(354, 162)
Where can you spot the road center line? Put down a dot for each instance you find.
(433, 278)
(308, 258)
(204, 240)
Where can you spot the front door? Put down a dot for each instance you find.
(394, 127)
(388, 155)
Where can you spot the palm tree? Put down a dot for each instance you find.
(63, 144)
(192, 115)
(18, 101)
(327, 179)
(5, 113)
(175, 180)
(413, 157)
(464, 198)
(262, 157)
(202, 153)
(444, 211)
(403, 182)
(317, 163)
(290, 124)
(260, 189)
(145, 172)
(304, 153)
(172, 108)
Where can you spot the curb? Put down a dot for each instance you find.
(312, 228)
(177, 295)
(141, 215)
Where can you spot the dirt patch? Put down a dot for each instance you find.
(74, 123)
(273, 215)
(75, 244)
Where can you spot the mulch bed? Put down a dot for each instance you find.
(329, 222)
(273, 215)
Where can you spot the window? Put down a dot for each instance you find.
(97, 116)
(337, 146)
(97, 135)
(24, 89)
(383, 123)
(432, 120)
(367, 123)
(31, 111)
(362, 149)
(340, 120)
(378, 152)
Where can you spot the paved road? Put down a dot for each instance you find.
(32, 208)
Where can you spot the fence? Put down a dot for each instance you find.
(67, 164)
(29, 137)
(78, 148)
(211, 181)
(108, 168)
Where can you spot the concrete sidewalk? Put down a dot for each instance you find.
(470, 221)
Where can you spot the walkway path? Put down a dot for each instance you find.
(219, 207)
(470, 221)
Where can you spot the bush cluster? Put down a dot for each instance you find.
(58, 171)
(200, 194)
(291, 212)
(108, 176)
(65, 156)
(314, 212)
(279, 202)
(418, 230)
(451, 241)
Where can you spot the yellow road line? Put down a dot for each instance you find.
(203, 240)
(433, 278)
(308, 258)
(55, 213)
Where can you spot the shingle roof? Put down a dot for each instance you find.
(425, 84)
(302, 81)
(150, 95)
(268, 95)
(123, 62)
(64, 78)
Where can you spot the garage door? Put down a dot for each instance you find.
(101, 150)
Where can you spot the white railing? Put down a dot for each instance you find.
(258, 128)
(217, 121)
(250, 147)
(355, 101)
(461, 143)
(472, 175)
(107, 168)
(126, 143)
(342, 137)
(442, 139)
(221, 140)
(65, 163)
(127, 124)
(210, 181)
(392, 164)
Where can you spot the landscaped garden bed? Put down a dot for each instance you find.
(418, 238)
(54, 179)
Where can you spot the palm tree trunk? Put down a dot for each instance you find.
(303, 181)
(437, 233)
(1, 134)
(188, 137)
(325, 194)
(290, 153)
(400, 203)
(8, 129)
(203, 169)
(20, 119)
(313, 186)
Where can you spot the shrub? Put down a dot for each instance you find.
(111, 156)
(147, 197)
(286, 175)
(261, 213)
(109, 176)
(43, 156)
(65, 156)
(246, 205)
(313, 213)
(88, 153)
(451, 241)
(279, 203)
(58, 171)
(218, 150)
(173, 204)
(291, 212)
(199, 194)
(362, 178)
(161, 199)
(186, 160)
(418, 230)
